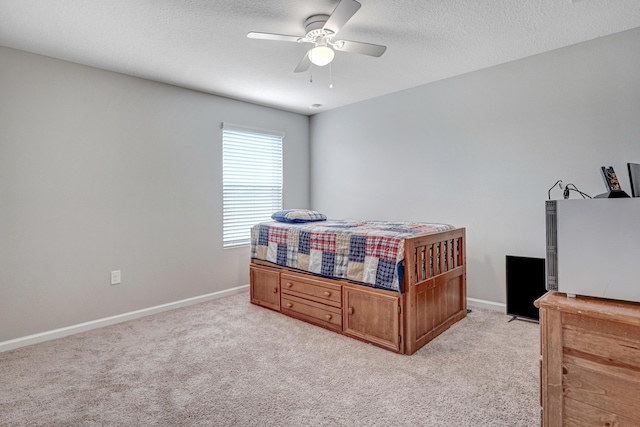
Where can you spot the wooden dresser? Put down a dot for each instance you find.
(590, 367)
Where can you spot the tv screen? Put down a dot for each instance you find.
(634, 178)
(526, 282)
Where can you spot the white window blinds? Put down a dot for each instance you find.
(251, 180)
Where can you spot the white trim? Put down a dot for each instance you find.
(490, 305)
(95, 324)
(99, 323)
(241, 128)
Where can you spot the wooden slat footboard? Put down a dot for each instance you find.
(434, 285)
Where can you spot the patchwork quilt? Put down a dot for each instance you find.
(369, 252)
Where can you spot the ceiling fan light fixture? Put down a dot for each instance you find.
(320, 32)
(321, 55)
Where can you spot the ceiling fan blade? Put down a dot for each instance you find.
(304, 64)
(341, 14)
(270, 36)
(359, 47)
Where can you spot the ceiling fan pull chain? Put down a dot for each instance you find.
(330, 78)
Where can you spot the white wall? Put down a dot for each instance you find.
(481, 150)
(101, 171)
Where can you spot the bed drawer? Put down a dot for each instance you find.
(315, 290)
(265, 286)
(373, 316)
(320, 314)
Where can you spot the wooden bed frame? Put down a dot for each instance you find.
(433, 295)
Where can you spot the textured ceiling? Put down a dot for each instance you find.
(202, 44)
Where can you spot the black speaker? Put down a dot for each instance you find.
(525, 284)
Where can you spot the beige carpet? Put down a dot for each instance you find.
(229, 363)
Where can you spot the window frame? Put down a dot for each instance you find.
(251, 195)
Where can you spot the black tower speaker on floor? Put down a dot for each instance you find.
(525, 284)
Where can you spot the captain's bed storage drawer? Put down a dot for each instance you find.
(265, 286)
(311, 289)
(314, 312)
(373, 316)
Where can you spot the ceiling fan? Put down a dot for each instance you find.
(321, 31)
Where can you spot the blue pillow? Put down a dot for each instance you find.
(298, 215)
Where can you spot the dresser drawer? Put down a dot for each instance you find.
(320, 314)
(315, 290)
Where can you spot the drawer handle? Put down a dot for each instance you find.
(350, 310)
(289, 284)
(289, 305)
(327, 293)
(328, 316)
(275, 290)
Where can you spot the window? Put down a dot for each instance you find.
(251, 180)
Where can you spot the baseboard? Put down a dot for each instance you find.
(489, 305)
(94, 324)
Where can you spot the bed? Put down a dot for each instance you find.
(394, 285)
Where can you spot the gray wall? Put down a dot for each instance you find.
(101, 171)
(481, 150)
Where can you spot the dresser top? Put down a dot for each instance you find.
(618, 311)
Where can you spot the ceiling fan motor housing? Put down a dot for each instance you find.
(313, 26)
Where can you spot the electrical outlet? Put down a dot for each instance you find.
(116, 277)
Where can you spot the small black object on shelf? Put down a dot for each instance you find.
(611, 183)
(610, 178)
(613, 194)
